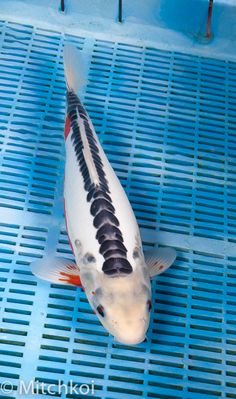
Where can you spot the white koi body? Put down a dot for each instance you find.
(102, 229)
(80, 221)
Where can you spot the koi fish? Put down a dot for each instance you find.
(103, 232)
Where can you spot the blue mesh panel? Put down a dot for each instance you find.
(167, 123)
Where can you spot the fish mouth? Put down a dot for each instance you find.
(130, 340)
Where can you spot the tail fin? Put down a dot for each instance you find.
(74, 68)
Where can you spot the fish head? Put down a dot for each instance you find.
(123, 305)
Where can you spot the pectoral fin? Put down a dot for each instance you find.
(57, 270)
(159, 259)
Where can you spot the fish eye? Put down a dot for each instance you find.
(149, 304)
(100, 310)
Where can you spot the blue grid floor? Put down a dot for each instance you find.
(167, 123)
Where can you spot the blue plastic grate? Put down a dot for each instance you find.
(167, 123)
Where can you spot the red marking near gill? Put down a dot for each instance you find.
(67, 227)
(161, 267)
(67, 127)
(71, 279)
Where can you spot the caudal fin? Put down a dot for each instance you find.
(74, 68)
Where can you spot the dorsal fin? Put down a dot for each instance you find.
(74, 68)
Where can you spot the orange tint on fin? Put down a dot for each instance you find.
(70, 279)
(159, 259)
(72, 267)
(57, 270)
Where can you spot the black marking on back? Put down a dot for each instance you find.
(108, 233)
